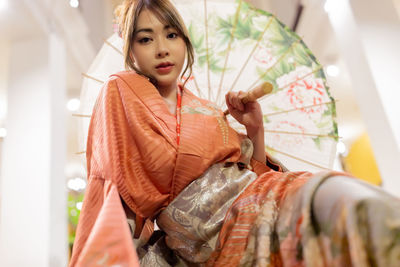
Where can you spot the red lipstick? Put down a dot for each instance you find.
(164, 67)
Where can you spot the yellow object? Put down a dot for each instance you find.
(360, 161)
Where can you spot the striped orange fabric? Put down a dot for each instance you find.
(110, 242)
(240, 218)
(132, 145)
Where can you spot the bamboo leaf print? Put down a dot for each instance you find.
(317, 142)
(329, 111)
(265, 119)
(196, 38)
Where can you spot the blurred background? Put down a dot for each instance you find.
(46, 45)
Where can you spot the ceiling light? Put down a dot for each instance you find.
(79, 205)
(76, 184)
(332, 70)
(73, 104)
(333, 5)
(74, 3)
(329, 4)
(3, 4)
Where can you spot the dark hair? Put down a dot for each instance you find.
(127, 16)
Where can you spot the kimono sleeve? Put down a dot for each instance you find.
(102, 226)
(109, 135)
(109, 240)
(270, 164)
(111, 146)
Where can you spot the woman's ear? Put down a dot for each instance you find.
(131, 56)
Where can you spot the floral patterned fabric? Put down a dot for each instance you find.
(360, 228)
(232, 217)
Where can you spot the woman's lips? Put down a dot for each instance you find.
(165, 69)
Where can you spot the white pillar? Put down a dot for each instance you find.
(4, 54)
(368, 33)
(58, 194)
(33, 222)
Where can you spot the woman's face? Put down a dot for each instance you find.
(158, 50)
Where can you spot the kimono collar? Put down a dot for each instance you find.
(149, 95)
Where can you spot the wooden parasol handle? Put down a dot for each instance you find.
(255, 93)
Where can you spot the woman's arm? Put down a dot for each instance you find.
(250, 116)
(257, 137)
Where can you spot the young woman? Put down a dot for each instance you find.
(157, 152)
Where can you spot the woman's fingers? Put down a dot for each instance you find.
(234, 100)
(239, 101)
(228, 102)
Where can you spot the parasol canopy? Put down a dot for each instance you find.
(238, 47)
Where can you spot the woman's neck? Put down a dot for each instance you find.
(170, 97)
(168, 92)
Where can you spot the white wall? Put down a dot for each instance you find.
(33, 228)
(368, 33)
(33, 191)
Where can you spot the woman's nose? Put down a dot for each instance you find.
(162, 53)
(162, 50)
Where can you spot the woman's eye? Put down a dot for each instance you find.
(144, 40)
(172, 35)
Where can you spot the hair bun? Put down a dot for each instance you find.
(120, 14)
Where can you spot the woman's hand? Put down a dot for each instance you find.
(250, 116)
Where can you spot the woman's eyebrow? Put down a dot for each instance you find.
(150, 30)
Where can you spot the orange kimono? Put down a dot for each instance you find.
(212, 212)
(132, 153)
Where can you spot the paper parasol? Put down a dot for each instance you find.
(238, 47)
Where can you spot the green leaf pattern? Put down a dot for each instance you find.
(273, 54)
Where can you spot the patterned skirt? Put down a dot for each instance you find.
(231, 217)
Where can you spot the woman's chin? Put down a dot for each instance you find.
(166, 81)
